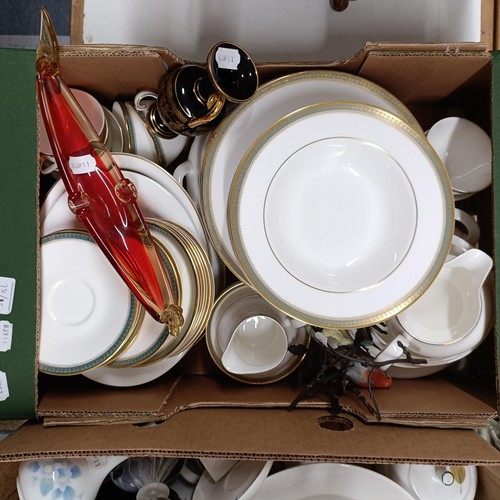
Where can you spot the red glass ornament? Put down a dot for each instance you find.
(98, 193)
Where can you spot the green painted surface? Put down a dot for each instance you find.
(18, 231)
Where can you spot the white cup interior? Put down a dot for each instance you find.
(466, 152)
(258, 344)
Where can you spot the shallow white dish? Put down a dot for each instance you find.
(242, 481)
(87, 311)
(240, 129)
(341, 215)
(327, 481)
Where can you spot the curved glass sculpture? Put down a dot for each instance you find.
(98, 193)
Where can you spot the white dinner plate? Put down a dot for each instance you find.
(87, 311)
(327, 481)
(160, 195)
(242, 127)
(341, 215)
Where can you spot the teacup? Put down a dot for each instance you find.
(139, 138)
(466, 152)
(94, 111)
(258, 344)
(449, 321)
(234, 305)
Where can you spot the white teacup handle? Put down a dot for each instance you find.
(47, 164)
(392, 350)
(187, 171)
(294, 323)
(144, 95)
(466, 227)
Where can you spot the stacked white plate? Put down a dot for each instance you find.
(323, 194)
(122, 348)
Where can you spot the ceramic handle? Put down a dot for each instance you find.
(466, 227)
(186, 172)
(392, 350)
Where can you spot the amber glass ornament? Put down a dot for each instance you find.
(98, 193)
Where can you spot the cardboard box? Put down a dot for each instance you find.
(198, 411)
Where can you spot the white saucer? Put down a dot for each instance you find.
(155, 362)
(188, 288)
(160, 195)
(87, 311)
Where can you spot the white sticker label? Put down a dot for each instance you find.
(96, 463)
(6, 328)
(4, 388)
(227, 58)
(82, 164)
(7, 286)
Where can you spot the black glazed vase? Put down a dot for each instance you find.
(192, 99)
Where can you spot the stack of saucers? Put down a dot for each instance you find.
(84, 304)
(89, 318)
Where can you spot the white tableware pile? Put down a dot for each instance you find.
(328, 203)
(76, 285)
(209, 478)
(311, 198)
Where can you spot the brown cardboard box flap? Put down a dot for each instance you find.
(407, 402)
(70, 397)
(380, 66)
(245, 433)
